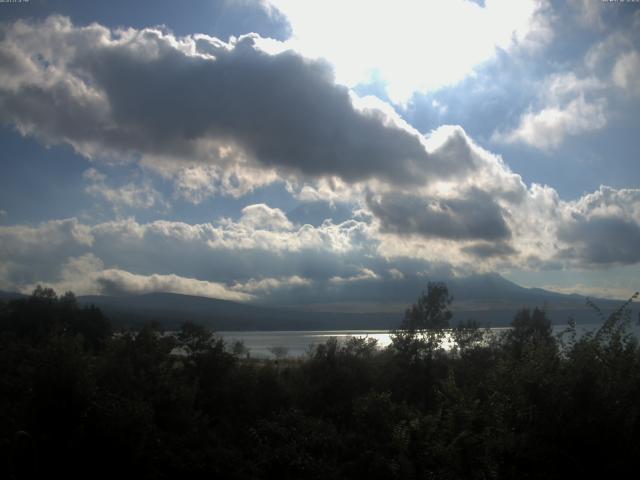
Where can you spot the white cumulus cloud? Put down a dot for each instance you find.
(547, 129)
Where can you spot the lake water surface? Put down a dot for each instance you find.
(299, 343)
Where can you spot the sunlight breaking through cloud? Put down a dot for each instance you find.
(411, 45)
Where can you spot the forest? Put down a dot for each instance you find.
(80, 400)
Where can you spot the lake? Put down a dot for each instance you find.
(298, 343)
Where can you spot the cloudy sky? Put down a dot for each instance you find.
(321, 151)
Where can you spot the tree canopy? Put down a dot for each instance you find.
(78, 401)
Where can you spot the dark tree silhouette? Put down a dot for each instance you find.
(150, 404)
(431, 311)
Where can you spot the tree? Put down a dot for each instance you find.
(279, 351)
(44, 314)
(530, 329)
(41, 294)
(423, 328)
(431, 311)
(239, 349)
(195, 338)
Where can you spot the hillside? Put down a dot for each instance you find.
(490, 299)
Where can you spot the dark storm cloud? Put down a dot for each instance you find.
(475, 215)
(454, 156)
(600, 241)
(486, 249)
(125, 94)
(284, 110)
(221, 18)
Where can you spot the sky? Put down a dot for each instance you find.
(319, 152)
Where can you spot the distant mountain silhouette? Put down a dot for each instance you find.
(489, 298)
(6, 296)
(171, 309)
(494, 288)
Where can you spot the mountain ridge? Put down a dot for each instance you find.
(490, 299)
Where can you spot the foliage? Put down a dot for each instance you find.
(78, 401)
(423, 328)
(279, 351)
(431, 311)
